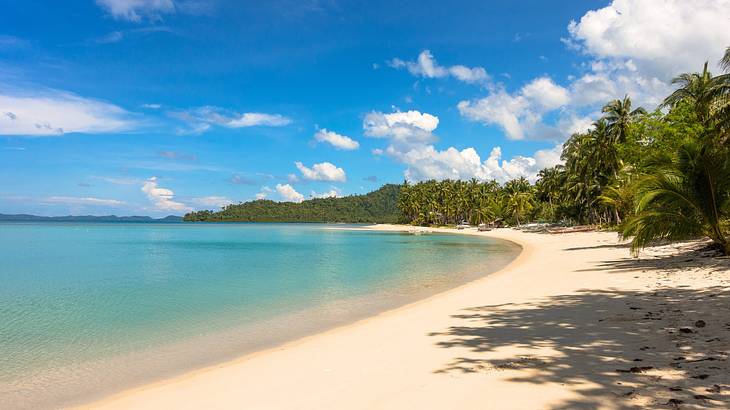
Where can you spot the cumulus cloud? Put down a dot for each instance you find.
(656, 38)
(324, 171)
(425, 161)
(200, 119)
(410, 127)
(162, 198)
(288, 193)
(212, 201)
(427, 67)
(520, 114)
(71, 200)
(341, 142)
(137, 10)
(634, 47)
(264, 193)
(52, 112)
(332, 193)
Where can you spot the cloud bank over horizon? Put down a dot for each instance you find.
(204, 113)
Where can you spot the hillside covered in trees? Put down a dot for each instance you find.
(375, 207)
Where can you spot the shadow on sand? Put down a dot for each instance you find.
(660, 348)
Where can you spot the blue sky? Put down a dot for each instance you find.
(162, 106)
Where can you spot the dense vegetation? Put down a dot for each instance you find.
(375, 207)
(652, 175)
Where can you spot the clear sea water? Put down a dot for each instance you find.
(88, 309)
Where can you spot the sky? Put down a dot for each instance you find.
(158, 107)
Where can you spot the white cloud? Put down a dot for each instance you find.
(265, 191)
(659, 38)
(338, 141)
(212, 201)
(401, 127)
(545, 94)
(252, 119)
(425, 161)
(519, 115)
(427, 67)
(332, 193)
(200, 119)
(162, 198)
(69, 200)
(635, 47)
(324, 171)
(53, 112)
(288, 193)
(136, 10)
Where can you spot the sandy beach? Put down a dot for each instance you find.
(573, 322)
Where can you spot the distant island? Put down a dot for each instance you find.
(86, 218)
(380, 206)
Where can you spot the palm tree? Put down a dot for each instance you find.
(619, 116)
(685, 197)
(725, 61)
(520, 203)
(702, 90)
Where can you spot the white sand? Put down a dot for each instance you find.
(560, 327)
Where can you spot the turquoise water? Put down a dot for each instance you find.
(87, 309)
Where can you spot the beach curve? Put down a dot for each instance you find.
(445, 351)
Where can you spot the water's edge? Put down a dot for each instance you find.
(215, 349)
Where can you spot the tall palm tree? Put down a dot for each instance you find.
(685, 197)
(619, 116)
(702, 90)
(722, 112)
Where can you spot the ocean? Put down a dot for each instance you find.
(88, 309)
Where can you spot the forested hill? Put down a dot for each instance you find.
(378, 206)
(86, 218)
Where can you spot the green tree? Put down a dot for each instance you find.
(619, 117)
(684, 197)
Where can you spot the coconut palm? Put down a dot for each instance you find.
(702, 90)
(725, 61)
(688, 196)
(519, 204)
(619, 116)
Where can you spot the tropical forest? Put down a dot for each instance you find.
(663, 174)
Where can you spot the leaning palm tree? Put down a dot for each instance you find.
(686, 197)
(725, 61)
(619, 116)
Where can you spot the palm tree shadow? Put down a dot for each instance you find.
(690, 257)
(608, 344)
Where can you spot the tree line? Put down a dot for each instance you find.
(375, 207)
(653, 175)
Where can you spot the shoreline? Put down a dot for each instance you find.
(101, 377)
(430, 354)
(326, 330)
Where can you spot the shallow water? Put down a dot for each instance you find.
(89, 309)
